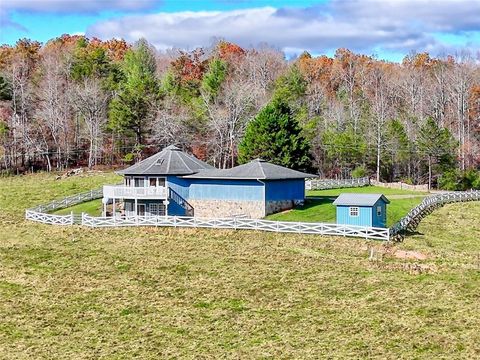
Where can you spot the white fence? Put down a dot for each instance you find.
(322, 184)
(49, 218)
(240, 223)
(40, 212)
(430, 203)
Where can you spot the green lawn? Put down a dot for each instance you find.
(321, 209)
(93, 208)
(149, 293)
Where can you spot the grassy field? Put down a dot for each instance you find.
(71, 292)
(319, 207)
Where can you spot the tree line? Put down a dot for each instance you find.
(77, 101)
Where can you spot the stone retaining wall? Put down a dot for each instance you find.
(231, 208)
(280, 205)
(228, 208)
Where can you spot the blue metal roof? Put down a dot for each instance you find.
(256, 169)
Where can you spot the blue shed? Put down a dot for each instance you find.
(362, 209)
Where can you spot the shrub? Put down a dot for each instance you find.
(359, 172)
(448, 180)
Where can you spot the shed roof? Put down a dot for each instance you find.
(352, 199)
(169, 161)
(255, 170)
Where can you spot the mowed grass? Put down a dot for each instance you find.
(319, 206)
(72, 292)
(93, 208)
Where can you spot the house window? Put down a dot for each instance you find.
(156, 209)
(127, 181)
(379, 211)
(128, 208)
(354, 211)
(153, 181)
(139, 182)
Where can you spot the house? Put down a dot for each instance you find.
(362, 209)
(173, 182)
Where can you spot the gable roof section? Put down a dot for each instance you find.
(169, 161)
(254, 170)
(352, 199)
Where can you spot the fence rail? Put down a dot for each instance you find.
(322, 184)
(40, 213)
(411, 221)
(239, 223)
(49, 218)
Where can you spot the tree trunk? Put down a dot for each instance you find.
(378, 159)
(429, 172)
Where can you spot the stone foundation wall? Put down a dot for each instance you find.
(228, 208)
(278, 205)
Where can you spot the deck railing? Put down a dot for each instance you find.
(322, 184)
(121, 191)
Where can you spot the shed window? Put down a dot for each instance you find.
(354, 211)
(379, 211)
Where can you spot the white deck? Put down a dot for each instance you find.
(130, 192)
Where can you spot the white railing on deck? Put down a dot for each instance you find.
(322, 184)
(240, 223)
(121, 191)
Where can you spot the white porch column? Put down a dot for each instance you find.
(136, 208)
(104, 209)
(166, 202)
(114, 208)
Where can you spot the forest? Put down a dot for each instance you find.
(75, 101)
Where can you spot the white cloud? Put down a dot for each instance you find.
(77, 6)
(362, 25)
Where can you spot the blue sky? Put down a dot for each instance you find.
(389, 29)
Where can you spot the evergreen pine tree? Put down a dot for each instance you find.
(275, 135)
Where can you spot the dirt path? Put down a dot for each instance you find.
(405, 196)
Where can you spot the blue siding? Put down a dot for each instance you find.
(379, 220)
(285, 190)
(367, 215)
(207, 189)
(179, 185)
(364, 218)
(174, 209)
